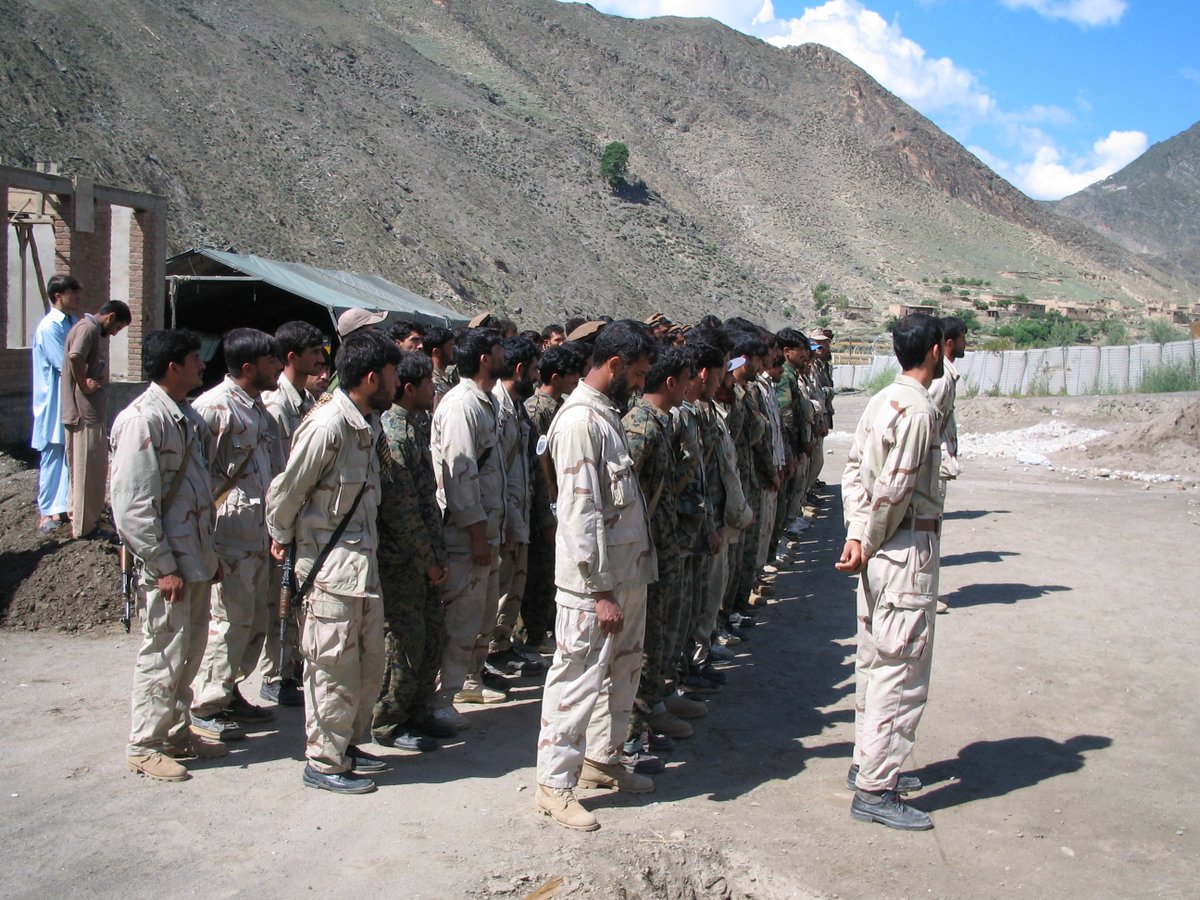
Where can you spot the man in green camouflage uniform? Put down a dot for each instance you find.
(412, 563)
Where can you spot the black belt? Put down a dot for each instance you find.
(918, 523)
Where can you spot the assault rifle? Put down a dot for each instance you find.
(126, 587)
(287, 590)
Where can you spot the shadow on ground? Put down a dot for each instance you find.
(982, 594)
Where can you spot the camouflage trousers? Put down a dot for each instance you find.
(341, 640)
(741, 565)
(269, 665)
(514, 564)
(589, 689)
(237, 627)
(716, 583)
(696, 570)
(538, 608)
(470, 595)
(816, 464)
(662, 599)
(767, 510)
(414, 639)
(897, 596)
(173, 636)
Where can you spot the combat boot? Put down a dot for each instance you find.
(614, 776)
(905, 784)
(156, 765)
(195, 747)
(685, 707)
(888, 809)
(561, 805)
(663, 722)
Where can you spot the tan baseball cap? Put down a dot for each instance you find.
(353, 319)
(821, 334)
(587, 331)
(481, 321)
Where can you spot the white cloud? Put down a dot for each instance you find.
(1047, 177)
(1191, 74)
(898, 63)
(1080, 12)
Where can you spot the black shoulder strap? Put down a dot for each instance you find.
(327, 549)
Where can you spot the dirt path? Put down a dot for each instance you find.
(1057, 747)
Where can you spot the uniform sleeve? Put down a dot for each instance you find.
(581, 533)
(459, 475)
(406, 511)
(911, 438)
(313, 452)
(136, 487)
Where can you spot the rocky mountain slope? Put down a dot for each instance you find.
(454, 145)
(1152, 206)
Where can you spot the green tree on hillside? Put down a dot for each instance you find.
(614, 165)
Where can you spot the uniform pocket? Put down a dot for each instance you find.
(622, 481)
(325, 635)
(350, 482)
(901, 633)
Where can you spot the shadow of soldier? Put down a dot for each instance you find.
(973, 513)
(976, 556)
(989, 769)
(981, 594)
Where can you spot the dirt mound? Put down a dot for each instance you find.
(50, 582)
(1179, 426)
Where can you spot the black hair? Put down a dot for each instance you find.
(161, 348)
(59, 284)
(296, 337)
(247, 345)
(671, 363)
(912, 337)
(504, 326)
(714, 336)
(627, 340)
(533, 336)
(788, 338)
(398, 331)
(709, 321)
(705, 354)
(361, 353)
(562, 360)
(550, 330)
(435, 338)
(413, 368)
(517, 350)
(572, 323)
(116, 306)
(952, 328)
(473, 344)
(747, 344)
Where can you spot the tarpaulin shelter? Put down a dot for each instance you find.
(211, 291)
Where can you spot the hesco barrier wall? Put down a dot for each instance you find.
(1070, 370)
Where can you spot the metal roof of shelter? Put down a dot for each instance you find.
(335, 290)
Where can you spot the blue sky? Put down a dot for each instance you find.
(1052, 94)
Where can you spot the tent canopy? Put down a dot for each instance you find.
(240, 290)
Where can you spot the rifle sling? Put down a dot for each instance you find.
(173, 491)
(298, 597)
(233, 479)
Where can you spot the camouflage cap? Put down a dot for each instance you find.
(483, 320)
(353, 319)
(586, 332)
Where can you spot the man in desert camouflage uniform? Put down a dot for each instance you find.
(412, 565)
(243, 457)
(605, 560)
(163, 509)
(653, 445)
(472, 494)
(943, 392)
(515, 386)
(893, 518)
(332, 476)
(560, 368)
(438, 345)
(302, 349)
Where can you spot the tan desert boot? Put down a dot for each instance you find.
(560, 805)
(615, 776)
(197, 748)
(157, 766)
(672, 726)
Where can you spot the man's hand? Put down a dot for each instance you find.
(436, 574)
(851, 561)
(715, 540)
(609, 613)
(171, 587)
(91, 385)
(481, 550)
(278, 550)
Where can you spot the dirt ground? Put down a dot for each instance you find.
(1055, 749)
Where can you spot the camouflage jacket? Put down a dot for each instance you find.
(751, 428)
(695, 519)
(790, 413)
(737, 513)
(603, 539)
(442, 382)
(287, 406)
(816, 400)
(541, 409)
(770, 405)
(823, 373)
(514, 445)
(469, 465)
(714, 484)
(149, 439)
(333, 457)
(410, 523)
(943, 393)
(764, 453)
(893, 465)
(652, 444)
(243, 444)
